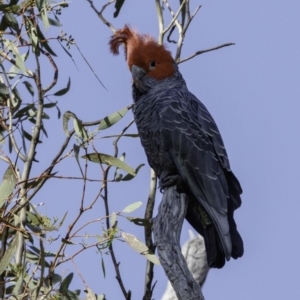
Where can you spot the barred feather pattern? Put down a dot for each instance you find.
(180, 136)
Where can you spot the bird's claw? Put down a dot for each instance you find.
(167, 180)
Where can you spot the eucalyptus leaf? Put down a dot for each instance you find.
(79, 129)
(113, 118)
(132, 207)
(66, 283)
(23, 111)
(118, 6)
(29, 87)
(64, 90)
(129, 176)
(109, 160)
(139, 247)
(90, 295)
(103, 267)
(132, 135)
(7, 186)
(44, 15)
(9, 254)
(76, 149)
(44, 42)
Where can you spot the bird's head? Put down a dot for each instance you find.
(145, 57)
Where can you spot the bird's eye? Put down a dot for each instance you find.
(152, 65)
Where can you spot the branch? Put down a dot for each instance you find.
(175, 16)
(183, 32)
(160, 17)
(100, 13)
(204, 51)
(195, 255)
(127, 295)
(54, 81)
(166, 229)
(148, 236)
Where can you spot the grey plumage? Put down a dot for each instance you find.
(181, 138)
(183, 144)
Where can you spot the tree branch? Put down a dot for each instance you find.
(204, 51)
(167, 229)
(148, 236)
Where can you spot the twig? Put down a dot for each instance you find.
(127, 295)
(175, 16)
(115, 142)
(204, 51)
(148, 290)
(160, 17)
(100, 13)
(55, 76)
(86, 61)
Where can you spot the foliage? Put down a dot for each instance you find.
(27, 269)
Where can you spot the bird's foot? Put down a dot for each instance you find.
(167, 180)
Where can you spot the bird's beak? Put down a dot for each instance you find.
(137, 74)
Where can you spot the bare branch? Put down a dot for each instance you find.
(100, 13)
(167, 229)
(204, 51)
(148, 236)
(174, 20)
(160, 21)
(55, 76)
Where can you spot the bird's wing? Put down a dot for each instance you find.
(192, 138)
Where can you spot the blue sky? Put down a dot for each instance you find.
(252, 90)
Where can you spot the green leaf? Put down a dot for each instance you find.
(109, 160)
(62, 220)
(139, 221)
(79, 129)
(34, 220)
(90, 295)
(7, 186)
(54, 22)
(65, 284)
(56, 278)
(11, 21)
(29, 87)
(129, 177)
(18, 285)
(132, 135)
(117, 175)
(26, 135)
(2, 141)
(10, 45)
(68, 242)
(64, 90)
(3, 89)
(112, 119)
(44, 15)
(113, 219)
(139, 247)
(76, 149)
(9, 254)
(32, 34)
(40, 4)
(118, 6)
(103, 266)
(50, 105)
(132, 207)
(23, 111)
(44, 42)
